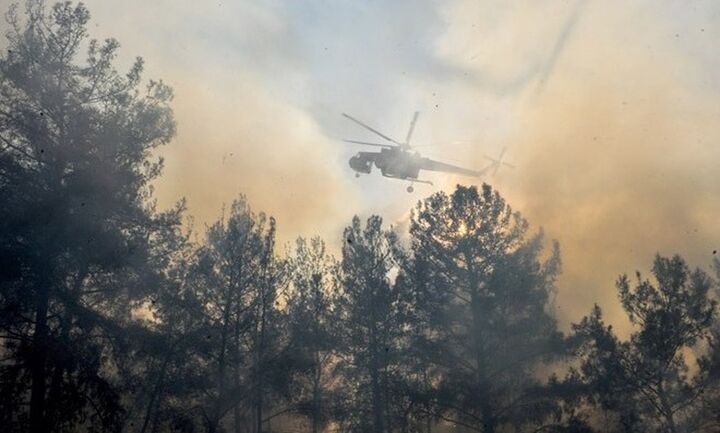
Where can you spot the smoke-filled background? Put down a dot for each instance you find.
(609, 109)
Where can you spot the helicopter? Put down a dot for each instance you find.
(397, 160)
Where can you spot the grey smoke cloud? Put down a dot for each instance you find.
(609, 110)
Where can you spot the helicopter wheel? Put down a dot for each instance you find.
(357, 174)
(410, 189)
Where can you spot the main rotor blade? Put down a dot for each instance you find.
(508, 165)
(388, 146)
(372, 130)
(412, 127)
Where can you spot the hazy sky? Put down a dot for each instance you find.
(610, 110)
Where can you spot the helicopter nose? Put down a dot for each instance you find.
(359, 164)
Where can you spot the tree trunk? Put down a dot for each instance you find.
(237, 356)
(155, 395)
(316, 408)
(260, 355)
(667, 410)
(378, 426)
(259, 412)
(377, 391)
(60, 360)
(38, 361)
(222, 362)
(489, 424)
(237, 419)
(53, 397)
(259, 381)
(316, 394)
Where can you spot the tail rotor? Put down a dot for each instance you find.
(497, 162)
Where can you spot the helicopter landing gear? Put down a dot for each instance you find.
(357, 174)
(413, 181)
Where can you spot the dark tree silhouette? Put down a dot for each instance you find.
(313, 330)
(647, 380)
(167, 364)
(484, 293)
(371, 311)
(709, 416)
(239, 278)
(79, 238)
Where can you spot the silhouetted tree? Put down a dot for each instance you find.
(647, 380)
(371, 311)
(484, 295)
(166, 365)
(313, 331)
(272, 365)
(709, 414)
(238, 277)
(79, 235)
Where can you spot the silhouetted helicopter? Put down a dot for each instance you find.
(397, 161)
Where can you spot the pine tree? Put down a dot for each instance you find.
(79, 237)
(646, 380)
(483, 295)
(313, 331)
(371, 311)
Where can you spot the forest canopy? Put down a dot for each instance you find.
(114, 318)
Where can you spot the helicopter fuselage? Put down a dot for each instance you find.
(392, 162)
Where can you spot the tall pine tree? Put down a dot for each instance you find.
(483, 293)
(80, 240)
